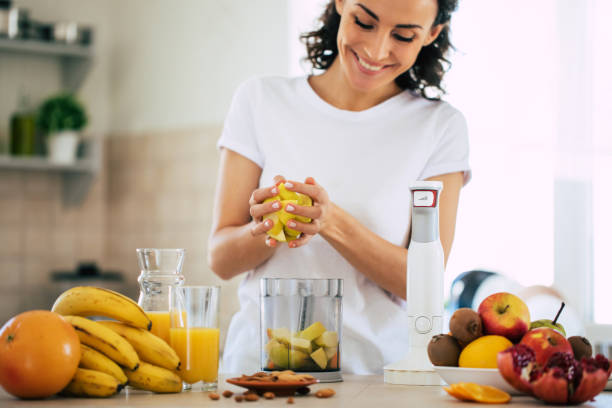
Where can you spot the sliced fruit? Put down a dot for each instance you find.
(484, 393)
(330, 351)
(313, 331)
(282, 334)
(320, 358)
(278, 354)
(327, 339)
(297, 359)
(333, 362)
(277, 232)
(453, 391)
(299, 344)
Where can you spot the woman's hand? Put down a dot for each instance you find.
(319, 212)
(258, 209)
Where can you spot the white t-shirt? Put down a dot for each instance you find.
(366, 161)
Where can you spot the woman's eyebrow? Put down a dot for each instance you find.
(375, 17)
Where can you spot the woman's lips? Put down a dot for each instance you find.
(366, 68)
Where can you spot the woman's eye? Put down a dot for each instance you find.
(405, 39)
(362, 25)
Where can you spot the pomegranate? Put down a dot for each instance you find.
(562, 380)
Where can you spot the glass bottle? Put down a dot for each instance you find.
(160, 271)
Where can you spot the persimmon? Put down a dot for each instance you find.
(39, 354)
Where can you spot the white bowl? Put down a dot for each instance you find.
(483, 376)
(609, 384)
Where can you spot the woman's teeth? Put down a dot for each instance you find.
(368, 66)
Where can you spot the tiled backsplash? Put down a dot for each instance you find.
(155, 190)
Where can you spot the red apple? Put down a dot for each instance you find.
(504, 314)
(545, 342)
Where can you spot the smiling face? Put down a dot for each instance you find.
(378, 40)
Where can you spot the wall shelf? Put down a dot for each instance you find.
(76, 177)
(75, 59)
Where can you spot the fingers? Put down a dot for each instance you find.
(271, 242)
(302, 240)
(262, 227)
(310, 211)
(261, 194)
(310, 228)
(312, 190)
(278, 179)
(259, 210)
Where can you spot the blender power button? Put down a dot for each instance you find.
(422, 324)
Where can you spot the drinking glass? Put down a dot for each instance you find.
(194, 334)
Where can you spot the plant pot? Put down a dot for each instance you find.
(62, 147)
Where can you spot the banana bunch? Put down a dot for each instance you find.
(148, 346)
(92, 383)
(116, 353)
(91, 301)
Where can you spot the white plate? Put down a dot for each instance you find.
(483, 376)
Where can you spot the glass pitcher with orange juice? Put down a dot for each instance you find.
(160, 270)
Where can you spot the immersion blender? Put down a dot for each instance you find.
(424, 289)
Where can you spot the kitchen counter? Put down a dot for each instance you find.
(355, 392)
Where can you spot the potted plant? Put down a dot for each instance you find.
(61, 118)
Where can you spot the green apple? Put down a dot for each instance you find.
(320, 358)
(327, 339)
(313, 331)
(282, 334)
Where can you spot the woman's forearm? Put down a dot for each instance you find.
(377, 259)
(233, 250)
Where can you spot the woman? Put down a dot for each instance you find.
(358, 135)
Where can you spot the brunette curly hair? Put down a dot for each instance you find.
(425, 75)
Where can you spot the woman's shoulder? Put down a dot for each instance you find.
(261, 86)
(438, 109)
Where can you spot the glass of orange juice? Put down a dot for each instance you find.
(194, 334)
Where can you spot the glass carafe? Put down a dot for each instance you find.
(160, 271)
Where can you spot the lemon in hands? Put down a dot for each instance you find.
(280, 231)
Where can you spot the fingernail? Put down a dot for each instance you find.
(288, 184)
(291, 224)
(276, 205)
(274, 190)
(290, 207)
(268, 223)
(291, 245)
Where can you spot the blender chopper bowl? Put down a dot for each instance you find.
(301, 326)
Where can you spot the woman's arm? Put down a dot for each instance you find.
(379, 260)
(236, 243)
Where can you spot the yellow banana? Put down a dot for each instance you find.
(92, 383)
(105, 340)
(148, 346)
(94, 360)
(92, 301)
(153, 378)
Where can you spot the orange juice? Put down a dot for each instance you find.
(198, 349)
(161, 324)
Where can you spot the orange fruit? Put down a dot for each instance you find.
(483, 393)
(457, 393)
(482, 352)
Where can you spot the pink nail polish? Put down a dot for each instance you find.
(288, 184)
(291, 224)
(274, 190)
(290, 207)
(276, 205)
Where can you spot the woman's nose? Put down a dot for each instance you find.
(379, 48)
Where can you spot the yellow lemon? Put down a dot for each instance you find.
(280, 231)
(482, 352)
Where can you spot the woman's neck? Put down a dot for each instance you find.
(333, 87)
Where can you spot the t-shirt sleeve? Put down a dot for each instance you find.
(239, 131)
(451, 153)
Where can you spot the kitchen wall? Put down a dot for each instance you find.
(162, 80)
